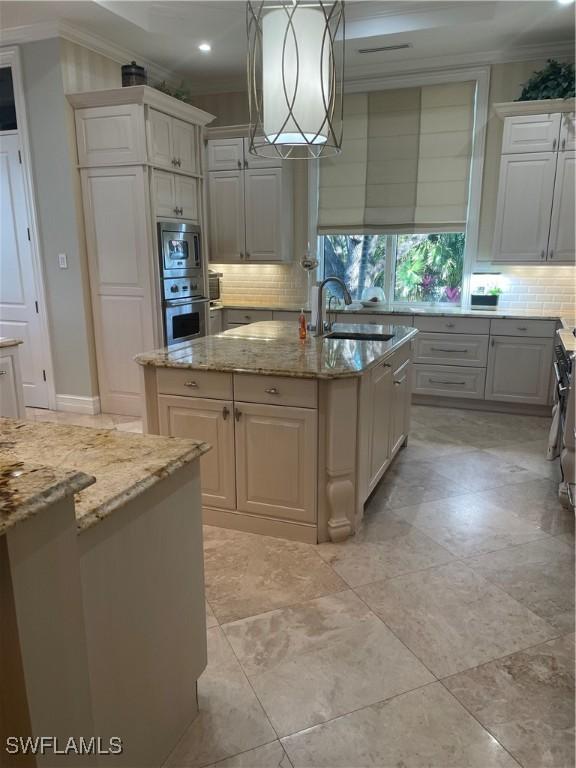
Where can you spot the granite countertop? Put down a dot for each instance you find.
(568, 340)
(436, 311)
(6, 341)
(26, 489)
(123, 464)
(273, 348)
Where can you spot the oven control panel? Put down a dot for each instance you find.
(183, 287)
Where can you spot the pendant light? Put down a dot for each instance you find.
(294, 81)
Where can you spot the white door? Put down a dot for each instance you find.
(164, 194)
(400, 407)
(160, 139)
(186, 195)
(184, 137)
(524, 206)
(225, 154)
(531, 133)
(568, 132)
(381, 386)
(519, 370)
(263, 196)
(18, 315)
(561, 248)
(226, 194)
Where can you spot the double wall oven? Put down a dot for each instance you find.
(184, 301)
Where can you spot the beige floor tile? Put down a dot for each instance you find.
(320, 659)
(454, 619)
(479, 471)
(536, 502)
(426, 728)
(527, 701)
(269, 756)
(408, 483)
(231, 719)
(470, 524)
(540, 576)
(428, 443)
(530, 455)
(385, 546)
(211, 620)
(247, 574)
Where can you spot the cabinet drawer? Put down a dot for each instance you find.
(374, 319)
(195, 383)
(276, 390)
(449, 381)
(451, 349)
(543, 329)
(247, 315)
(453, 324)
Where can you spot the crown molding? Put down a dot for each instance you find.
(535, 107)
(43, 31)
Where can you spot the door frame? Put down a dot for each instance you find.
(10, 57)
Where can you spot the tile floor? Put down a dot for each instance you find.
(441, 635)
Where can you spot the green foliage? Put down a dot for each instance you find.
(359, 260)
(554, 81)
(182, 94)
(429, 267)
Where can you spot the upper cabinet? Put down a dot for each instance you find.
(172, 143)
(535, 207)
(250, 201)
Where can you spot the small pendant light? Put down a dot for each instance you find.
(294, 82)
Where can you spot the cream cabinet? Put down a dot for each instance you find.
(379, 441)
(211, 421)
(172, 143)
(175, 196)
(562, 246)
(250, 206)
(276, 451)
(519, 369)
(535, 206)
(11, 388)
(401, 393)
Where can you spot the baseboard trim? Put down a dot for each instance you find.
(472, 404)
(266, 526)
(78, 404)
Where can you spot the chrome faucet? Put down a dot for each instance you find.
(321, 325)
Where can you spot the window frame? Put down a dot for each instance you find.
(479, 74)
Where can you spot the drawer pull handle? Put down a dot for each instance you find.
(225, 412)
(542, 254)
(563, 144)
(551, 254)
(554, 144)
(191, 384)
(449, 325)
(272, 391)
(3, 373)
(457, 351)
(247, 317)
(239, 163)
(521, 328)
(441, 381)
(237, 414)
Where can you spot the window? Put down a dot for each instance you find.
(7, 107)
(417, 269)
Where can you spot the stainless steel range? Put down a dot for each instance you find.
(184, 301)
(565, 416)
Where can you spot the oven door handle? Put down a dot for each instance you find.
(561, 387)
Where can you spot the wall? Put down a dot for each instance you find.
(229, 108)
(263, 284)
(85, 70)
(539, 289)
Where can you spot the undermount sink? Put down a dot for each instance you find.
(359, 336)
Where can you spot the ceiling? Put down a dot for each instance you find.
(440, 33)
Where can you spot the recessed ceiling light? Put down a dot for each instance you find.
(205, 47)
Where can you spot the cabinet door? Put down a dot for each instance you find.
(184, 146)
(164, 194)
(160, 139)
(561, 248)
(212, 422)
(524, 206)
(568, 132)
(400, 407)
(263, 195)
(215, 323)
(276, 461)
(186, 194)
(112, 135)
(380, 439)
(253, 161)
(225, 154)
(226, 194)
(519, 370)
(531, 133)
(11, 403)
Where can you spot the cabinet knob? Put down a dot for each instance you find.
(551, 254)
(239, 164)
(247, 255)
(3, 373)
(179, 162)
(191, 384)
(247, 317)
(563, 144)
(173, 162)
(543, 254)
(225, 412)
(272, 391)
(245, 163)
(241, 255)
(449, 325)
(237, 414)
(554, 145)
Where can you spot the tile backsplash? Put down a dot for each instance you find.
(540, 288)
(262, 283)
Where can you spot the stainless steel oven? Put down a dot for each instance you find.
(184, 320)
(184, 294)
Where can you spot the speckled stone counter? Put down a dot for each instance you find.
(273, 348)
(26, 489)
(123, 464)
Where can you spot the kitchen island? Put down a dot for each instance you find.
(302, 430)
(101, 587)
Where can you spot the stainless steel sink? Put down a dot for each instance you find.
(359, 336)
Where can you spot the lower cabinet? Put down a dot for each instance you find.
(519, 369)
(379, 442)
(212, 421)
(11, 390)
(401, 394)
(276, 450)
